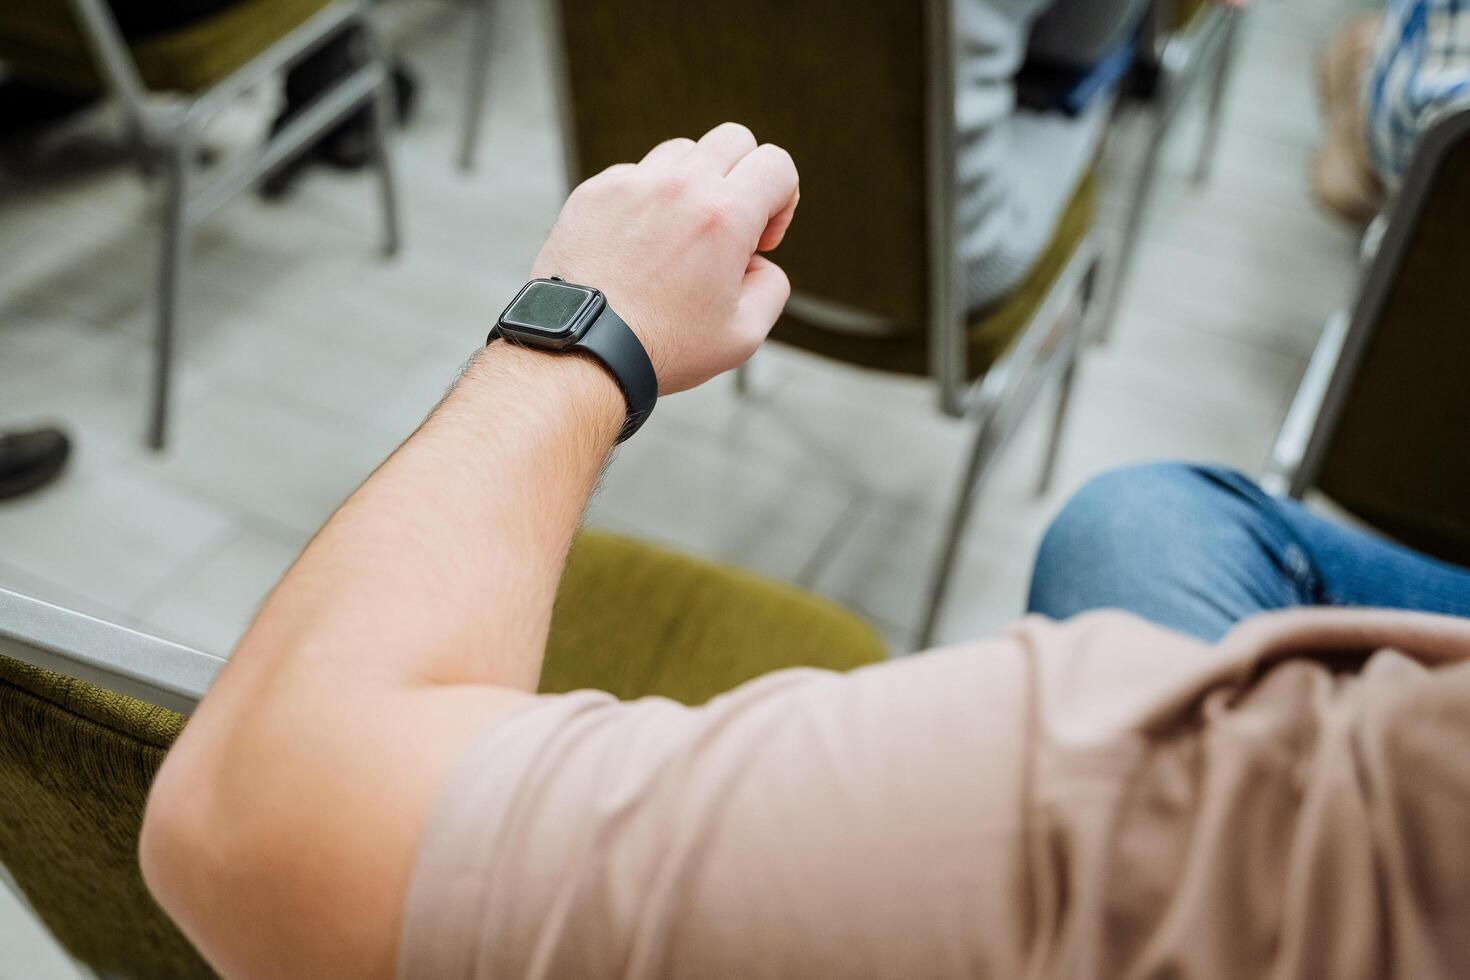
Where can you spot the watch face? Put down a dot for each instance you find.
(548, 309)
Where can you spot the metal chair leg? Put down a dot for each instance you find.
(382, 122)
(178, 165)
(987, 442)
(481, 36)
(1059, 418)
(1143, 182)
(1214, 113)
(1074, 340)
(143, 151)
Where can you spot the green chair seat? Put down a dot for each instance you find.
(40, 40)
(635, 620)
(992, 331)
(1181, 14)
(631, 619)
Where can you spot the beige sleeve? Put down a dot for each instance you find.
(1095, 798)
(791, 828)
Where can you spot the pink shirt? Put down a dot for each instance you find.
(1093, 798)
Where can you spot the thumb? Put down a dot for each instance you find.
(763, 295)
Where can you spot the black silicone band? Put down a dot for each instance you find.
(614, 343)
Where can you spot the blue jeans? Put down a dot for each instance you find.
(1199, 548)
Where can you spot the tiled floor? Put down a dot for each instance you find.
(306, 357)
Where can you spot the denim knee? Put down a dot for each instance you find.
(1120, 529)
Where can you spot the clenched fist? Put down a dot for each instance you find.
(673, 242)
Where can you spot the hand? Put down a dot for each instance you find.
(673, 243)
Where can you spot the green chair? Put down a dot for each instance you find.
(1381, 420)
(863, 97)
(1187, 42)
(172, 85)
(88, 709)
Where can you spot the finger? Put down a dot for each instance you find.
(722, 148)
(776, 227)
(769, 175)
(667, 152)
(763, 295)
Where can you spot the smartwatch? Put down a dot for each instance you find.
(555, 315)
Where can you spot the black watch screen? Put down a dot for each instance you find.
(552, 310)
(552, 314)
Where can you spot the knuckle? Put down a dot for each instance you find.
(713, 219)
(720, 214)
(673, 185)
(738, 130)
(594, 187)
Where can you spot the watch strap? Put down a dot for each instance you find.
(614, 343)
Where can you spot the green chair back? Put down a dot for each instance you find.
(1397, 454)
(40, 40)
(839, 84)
(990, 332)
(76, 761)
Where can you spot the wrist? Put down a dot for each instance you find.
(555, 315)
(540, 389)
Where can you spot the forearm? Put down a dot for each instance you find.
(282, 828)
(443, 566)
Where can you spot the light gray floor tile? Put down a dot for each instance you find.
(276, 465)
(857, 428)
(210, 608)
(884, 563)
(29, 951)
(94, 379)
(108, 533)
(1229, 380)
(1116, 424)
(101, 275)
(740, 507)
(19, 580)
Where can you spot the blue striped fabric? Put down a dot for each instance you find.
(1422, 63)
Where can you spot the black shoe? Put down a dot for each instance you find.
(26, 107)
(30, 460)
(349, 144)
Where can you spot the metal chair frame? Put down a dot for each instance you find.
(168, 131)
(482, 36)
(104, 654)
(1047, 348)
(1301, 446)
(1206, 46)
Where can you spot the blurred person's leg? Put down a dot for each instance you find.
(351, 143)
(30, 460)
(1017, 169)
(1342, 176)
(1081, 32)
(1199, 548)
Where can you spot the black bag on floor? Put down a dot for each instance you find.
(348, 145)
